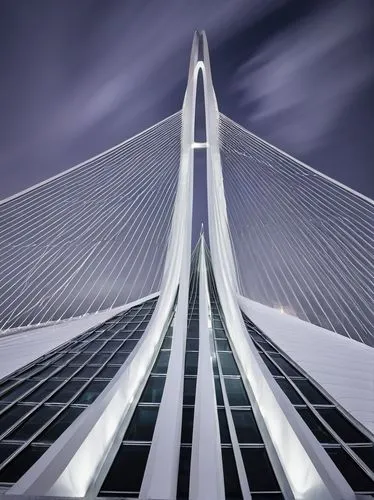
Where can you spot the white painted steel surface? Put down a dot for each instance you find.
(343, 367)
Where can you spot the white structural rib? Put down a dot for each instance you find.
(311, 475)
(206, 475)
(341, 366)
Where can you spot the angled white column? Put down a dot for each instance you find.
(161, 474)
(310, 472)
(206, 476)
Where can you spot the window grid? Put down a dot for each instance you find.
(26, 420)
(243, 430)
(133, 452)
(313, 403)
(190, 378)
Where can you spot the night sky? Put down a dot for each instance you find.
(79, 77)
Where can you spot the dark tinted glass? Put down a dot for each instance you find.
(18, 391)
(127, 470)
(230, 474)
(11, 416)
(223, 427)
(142, 424)
(355, 476)
(189, 391)
(58, 426)
(47, 371)
(190, 367)
(193, 329)
(223, 345)
(6, 450)
(273, 369)
(285, 365)
(184, 472)
(219, 334)
(312, 394)
(78, 360)
(162, 361)
(108, 371)
(318, 429)
(236, 393)
(119, 358)
(100, 358)
(66, 372)
(33, 423)
(87, 371)
(219, 396)
(290, 392)
(153, 390)
(43, 391)
(67, 391)
(19, 465)
(91, 392)
(217, 323)
(192, 345)
(259, 471)
(342, 426)
(366, 454)
(128, 346)
(228, 363)
(166, 344)
(187, 425)
(246, 427)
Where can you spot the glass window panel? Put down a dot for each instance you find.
(7, 384)
(87, 371)
(119, 358)
(136, 335)
(18, 391)
(153, 390)
(228, 364)
(10, 417)
(142, 424)
(43, 391)
(259, 471)
(184, 472)
(47, 370)
(129, 458)
(192, 345)
(166, 344)
(366, 453)
(100, 358)
(219, 334)
(187, 425)
(193, 329)
(230, 474)
(58, 426)
(128, 346)
(93, 346)
(348, 432)
(285, 365)
(161, 363)
(80, 359)
(67, 371)
(217, 323)
(246, 427)
(273, 369)
(223, 427)
(67, 392)
(290, 392)
(223, 345)
(189, 391)
(6, 450)
(91, 392)
(215, 364)
(21, 463)
(218, 388)
(33, 423)
(108, 371)
(236, 392)
(111, 346)
(313, 395)
(191, 362)
(317, 427)
(352, 472)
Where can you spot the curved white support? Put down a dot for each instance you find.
(311, 474)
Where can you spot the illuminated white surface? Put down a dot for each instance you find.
(343, 367)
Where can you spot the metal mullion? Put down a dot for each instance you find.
(309, 405)
(243, 480)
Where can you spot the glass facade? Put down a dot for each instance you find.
(41, 400)
(349, 446)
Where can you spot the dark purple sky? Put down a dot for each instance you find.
(79, 77)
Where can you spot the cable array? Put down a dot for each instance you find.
(94, 237)
(303, 243)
